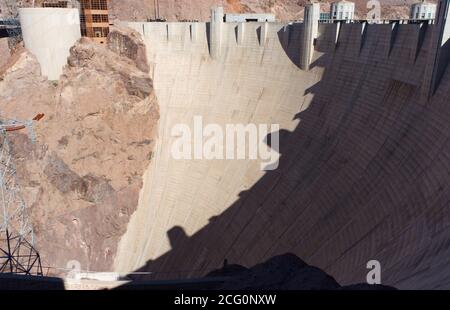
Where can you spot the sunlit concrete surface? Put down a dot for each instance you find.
(49, 33)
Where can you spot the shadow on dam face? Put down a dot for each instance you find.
(363, 175)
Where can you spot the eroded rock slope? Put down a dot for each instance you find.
(82, 177)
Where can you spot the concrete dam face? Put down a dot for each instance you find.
(364, 153)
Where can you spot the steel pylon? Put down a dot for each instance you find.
(17, 252)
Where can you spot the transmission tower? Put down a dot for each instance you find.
(17, 252)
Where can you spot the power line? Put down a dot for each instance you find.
(17, 252)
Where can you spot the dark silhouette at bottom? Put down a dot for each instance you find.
(282, 272)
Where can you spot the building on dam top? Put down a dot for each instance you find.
(94, 19)
(423, 10)
(242, 18)
(55, 4)
(324, 16)
(342, 10)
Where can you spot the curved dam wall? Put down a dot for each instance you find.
(49, 33)
(364, 164)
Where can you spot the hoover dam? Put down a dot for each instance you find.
(358, 131)
(364, 151)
